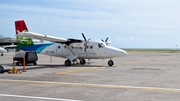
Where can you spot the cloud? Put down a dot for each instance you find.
(126, 38)
(123, 21)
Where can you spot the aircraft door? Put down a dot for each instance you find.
(103, 51)
(59, 50)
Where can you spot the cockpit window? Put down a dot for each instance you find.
(100, 45)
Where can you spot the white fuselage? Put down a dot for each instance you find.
(94, 50)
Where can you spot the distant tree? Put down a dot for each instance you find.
(1, 36)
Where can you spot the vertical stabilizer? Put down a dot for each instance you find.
(23, 42)
(20, 26)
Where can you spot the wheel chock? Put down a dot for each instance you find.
(14, 71)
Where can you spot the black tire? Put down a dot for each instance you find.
(17, 63)
(110, 63)
(35, 63)
(82, 61)
(1, 54)
(1, 69)
(67, 63)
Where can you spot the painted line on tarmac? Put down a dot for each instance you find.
(35, 97)
(77, 70)
(96, 85)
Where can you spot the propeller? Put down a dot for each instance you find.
(106, 41)
(84, 37)
(85, 42)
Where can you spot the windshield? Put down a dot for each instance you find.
(100, 45)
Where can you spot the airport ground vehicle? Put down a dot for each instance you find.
(29, 56)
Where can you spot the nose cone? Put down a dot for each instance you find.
(115, 52)
(121, 52)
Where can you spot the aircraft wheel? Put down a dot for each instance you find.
(110, 63)
(67, 63)
(35, 63)
(82, 61)
(1, 54)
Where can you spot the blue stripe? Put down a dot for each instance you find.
(37, 48)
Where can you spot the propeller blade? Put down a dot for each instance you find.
(106, 39)
(84, 36)
(102, 40)
(89, 39)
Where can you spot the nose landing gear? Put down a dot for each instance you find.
(110, 63)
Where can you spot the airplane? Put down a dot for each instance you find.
(2, 50)
(71, 49)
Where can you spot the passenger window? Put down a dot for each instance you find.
(72, 47)
(87, 47)
(59, 47)
(64, 47)
(91, 47)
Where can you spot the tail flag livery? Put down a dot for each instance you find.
(24, 42)
(20, 26)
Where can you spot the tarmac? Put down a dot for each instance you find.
(138, 76)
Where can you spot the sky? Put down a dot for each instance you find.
(127, 23)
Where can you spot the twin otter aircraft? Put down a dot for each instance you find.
(72, 49)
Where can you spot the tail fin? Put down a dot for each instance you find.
(20, 26)
(23, 42)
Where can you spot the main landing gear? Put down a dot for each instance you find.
(82, 61)
(68, 62)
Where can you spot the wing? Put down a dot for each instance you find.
(9, 46)
(41, 36)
